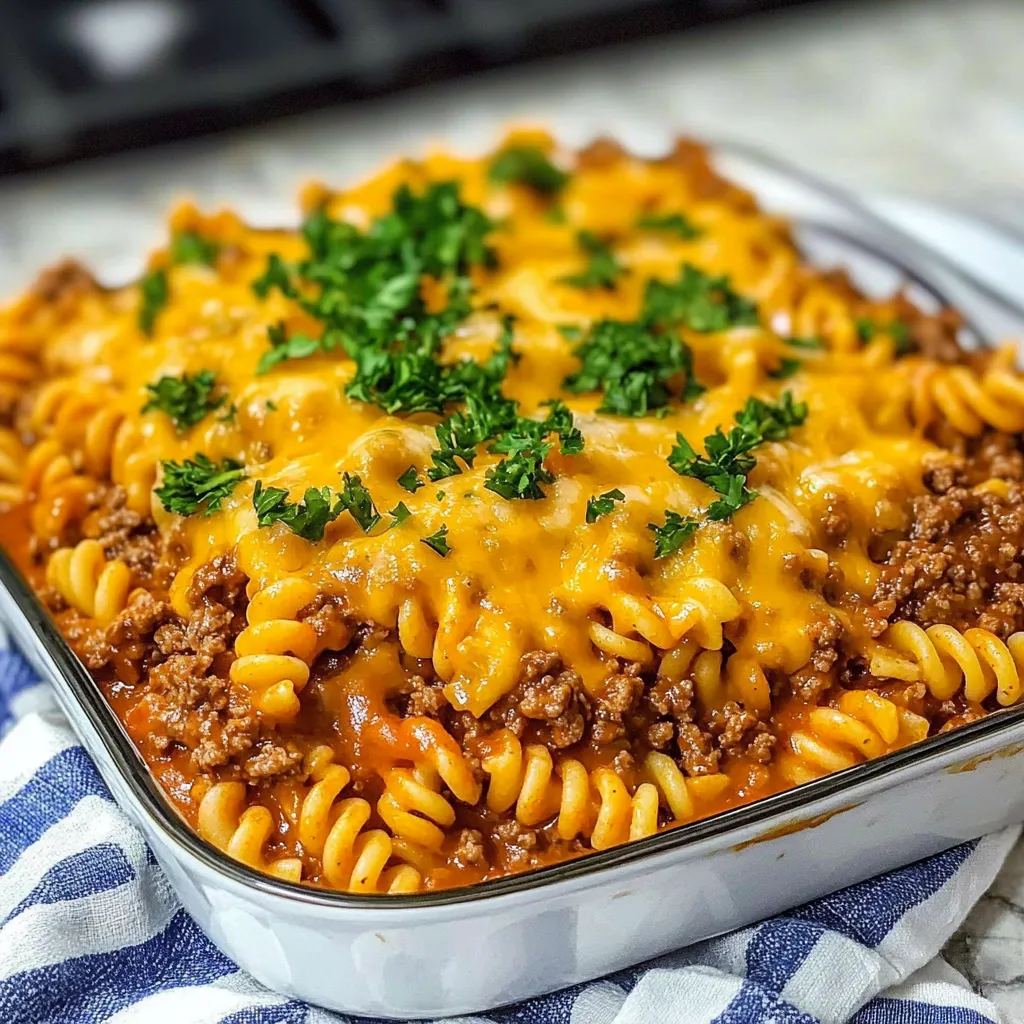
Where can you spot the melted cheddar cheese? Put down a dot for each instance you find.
(520, 575)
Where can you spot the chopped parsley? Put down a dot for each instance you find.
(310, 517)
(698, 301)
(601, 505)
(529, 166)
(676, 223)
(186, 399)
(198, 485)
(728, 459)
(634, 366)
(284, 346)
(230, 414)
(672, 534)
(602, 269)
(807, 343)
(192, 247)
(364, 287)
(270, 406)
(398, 514)
(525, 447)
(898, 330)
(438, 541)
(155, 294)
(786, 368)
(410, 481)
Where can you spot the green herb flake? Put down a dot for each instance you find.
(270, 406)
(672, 534)
(155, 295)
(355, 499)
(898, 330)
(602, 269)
(398, 514)
(307, 518)
(676, 223)
(786, 368)
(192, 247)
(601, 505)
(529, 166)
(410, 480)
(186, 399)
(525, 447)
(728, 459)
(198, 485)
(634, 366)
(806, 343)
(698, 301)
(438, 541)
(284, 346)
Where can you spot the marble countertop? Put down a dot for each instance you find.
(921, 97)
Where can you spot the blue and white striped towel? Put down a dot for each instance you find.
(90, 930)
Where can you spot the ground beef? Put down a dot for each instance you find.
(425, 698)
(470, 848)
(125, 534)
(740, 732)
(817, 675)
(328, 616)
(697, 755)
(960, 562)
(620, 695)
(515, 843)
(63, 282)
(548, 705)
(836, 519)
(935, 337)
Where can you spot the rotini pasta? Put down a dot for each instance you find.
(512, 508)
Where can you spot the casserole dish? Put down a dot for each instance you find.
(480, 946)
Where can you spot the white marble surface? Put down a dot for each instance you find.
(923, 98)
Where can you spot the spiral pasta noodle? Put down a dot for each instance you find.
(864, 725)
(333, 830)
(976, 661)
(273, 653)
(88, 581)
(242, 832)
(968, 400)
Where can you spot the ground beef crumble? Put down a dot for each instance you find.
(960, 563)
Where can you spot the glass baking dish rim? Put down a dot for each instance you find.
(131, 766)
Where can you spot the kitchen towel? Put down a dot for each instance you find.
(90, 930)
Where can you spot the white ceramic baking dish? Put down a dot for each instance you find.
(464, 950)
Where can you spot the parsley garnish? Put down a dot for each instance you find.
(398, 514)
(309, 518)
(522, 471)
(410, 481)
(438, 541)
(633, 365)
(154, 297)
(601, 505)
(602, 270)
(809, 343)
(198, 485)
(284, 346)
(364, 287)
(270, 406)
(677, 223)
(192, 247)
(786, 368)
(698, 301)
(898, 330)
(529, 166)
(673, 534)
(186, 399)
(230, 414)
(728, 459)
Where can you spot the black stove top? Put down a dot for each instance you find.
(79, 77)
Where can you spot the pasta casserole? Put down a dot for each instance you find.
(509, 509)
